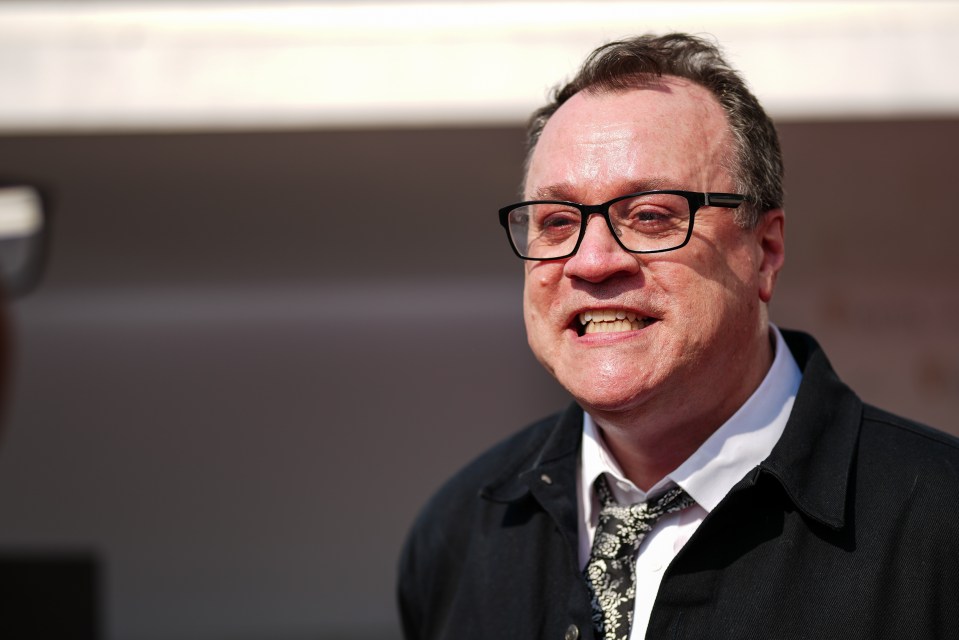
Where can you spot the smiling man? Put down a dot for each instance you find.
(714, 477)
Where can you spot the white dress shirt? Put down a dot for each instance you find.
(745, 440)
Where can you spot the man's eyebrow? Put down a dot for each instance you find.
(560, 191)
(567, 192)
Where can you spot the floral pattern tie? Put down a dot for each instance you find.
(611, 570)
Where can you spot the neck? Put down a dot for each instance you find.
(655, 438)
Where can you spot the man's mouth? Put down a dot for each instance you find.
(611, 321)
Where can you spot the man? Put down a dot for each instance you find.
(772, 502)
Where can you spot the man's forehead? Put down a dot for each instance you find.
(655, 134)
(569, 192)
(666, 104)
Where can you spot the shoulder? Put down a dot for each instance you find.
(834, 440)
(906, 480)
(892, 427)
(468, 510)
(902, 446)
(449, 507)
(906, 486)
(458, 535)
(825, 405)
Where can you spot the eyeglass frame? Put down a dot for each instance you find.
(696, 200)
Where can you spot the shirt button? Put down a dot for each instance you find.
(572, 632)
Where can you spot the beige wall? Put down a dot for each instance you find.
(256, 355)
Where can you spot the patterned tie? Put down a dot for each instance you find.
(611, 570)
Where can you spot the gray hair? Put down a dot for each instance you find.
(635, 62)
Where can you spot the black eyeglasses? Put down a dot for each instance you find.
(645, 222)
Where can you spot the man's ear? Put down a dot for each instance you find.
(770, 233)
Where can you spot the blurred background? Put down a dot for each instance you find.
(279, 310)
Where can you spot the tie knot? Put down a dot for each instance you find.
(621, 528)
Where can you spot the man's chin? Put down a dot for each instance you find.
(612, 399)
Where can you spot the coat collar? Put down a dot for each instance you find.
(555, 453)
(813, 459)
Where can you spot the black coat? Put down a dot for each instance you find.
(850, 529)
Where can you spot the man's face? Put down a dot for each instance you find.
(700, 309)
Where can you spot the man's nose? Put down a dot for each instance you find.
(600, 256)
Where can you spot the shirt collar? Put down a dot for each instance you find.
(739, 445)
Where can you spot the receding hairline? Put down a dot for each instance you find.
(648, 81)
(756, 157)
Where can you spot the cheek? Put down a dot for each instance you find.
(530, 312)
(540, 290)
(535, 305)
(533, 295)
(728, 304)
(541, 305)
(700, 295)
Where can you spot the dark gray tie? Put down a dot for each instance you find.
(611, 570)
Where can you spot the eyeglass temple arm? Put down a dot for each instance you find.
(728, 200)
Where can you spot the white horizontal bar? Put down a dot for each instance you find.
(152, 65)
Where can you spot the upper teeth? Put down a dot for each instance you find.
(611, 320)
(606, 315)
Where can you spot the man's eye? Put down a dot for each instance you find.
(558, 222)
(651, 215)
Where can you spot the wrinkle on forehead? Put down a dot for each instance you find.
(565, 191)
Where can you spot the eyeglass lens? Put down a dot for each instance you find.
(645, 222)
